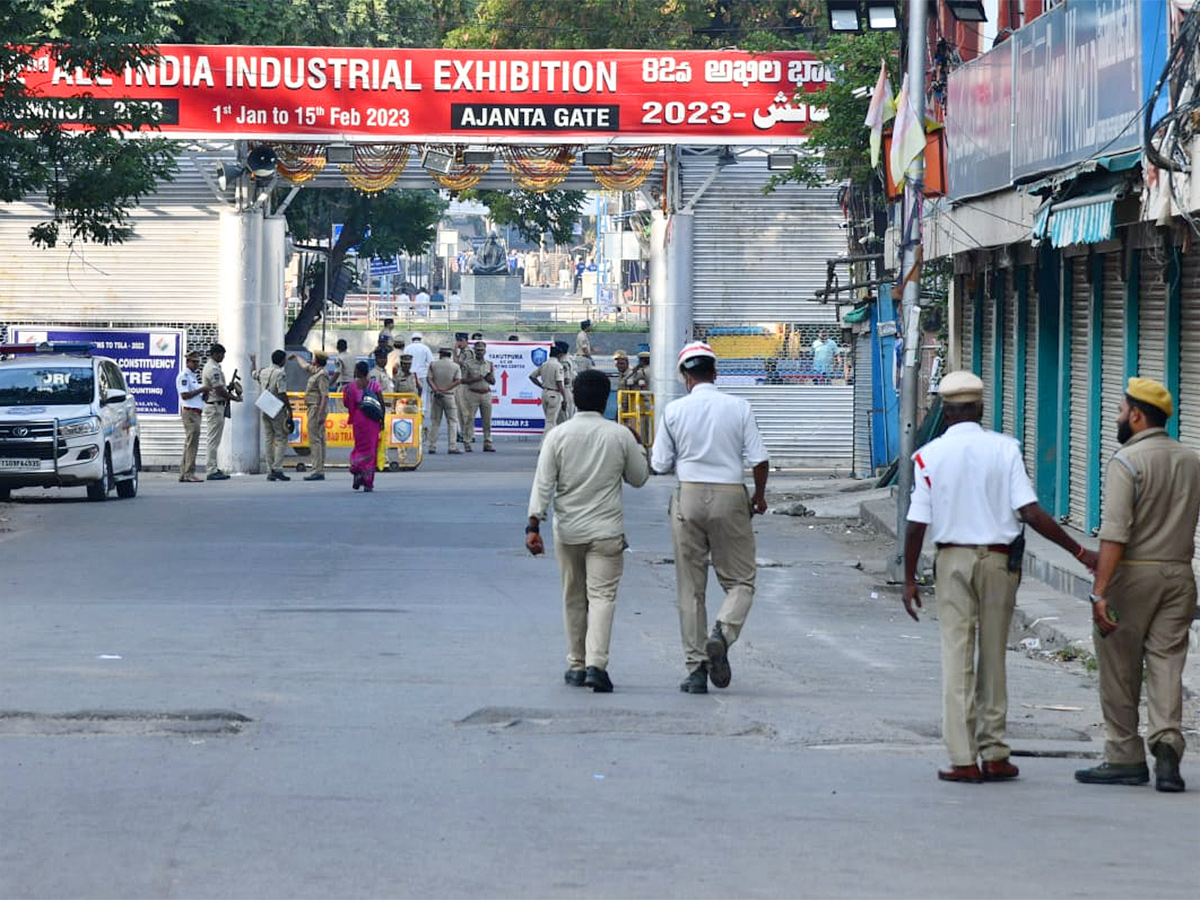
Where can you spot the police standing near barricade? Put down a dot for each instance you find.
(273, 381)
(316, 402)
(1144, 594)
(191, 410)
(406, 382)
(708, 438)
(444, 377)
(478, 376)
(569, 371)
(971, 487)
(640, 379)
(549, 377)
(462, 352)
(583, 347)
(217, 395)
(624, 373)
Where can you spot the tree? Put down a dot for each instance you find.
(90, 175)
(382, 225)
(532, 214)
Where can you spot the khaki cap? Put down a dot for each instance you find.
(961, 387)
(1147, 390)
(193, 354)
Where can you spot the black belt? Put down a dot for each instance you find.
(991, 548)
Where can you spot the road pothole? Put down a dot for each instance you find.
(126, 723)
(623, 721)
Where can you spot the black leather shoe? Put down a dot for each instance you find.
(696, 682)
(574, 677)
(1114, 773)
(718, 658)
(1166, 769)
(280, 476)
(597, 679)
(218, 475)
(315, 476)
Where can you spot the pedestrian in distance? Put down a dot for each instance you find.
(316, 403)
(1144, 593)
(971, 489)
(708, 438)
(583, 346)
(192, 395)
(581, 467)
(365, 428)
(273, 381)
(345, 364)
(216, 397)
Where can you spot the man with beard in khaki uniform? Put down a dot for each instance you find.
(477, 378)
(273, 381)
(1144, 593)
(217, 395)
(444, 377)
(550, 378)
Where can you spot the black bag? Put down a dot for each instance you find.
(372, 406)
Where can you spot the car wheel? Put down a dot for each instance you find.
(99, 490)
(128, 488)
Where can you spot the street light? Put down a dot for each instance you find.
(967, 10)
(882, 16)
(781, 162)
(849, 15)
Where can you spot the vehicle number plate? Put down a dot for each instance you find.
(20, 463)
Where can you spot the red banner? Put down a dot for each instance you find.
(461, 96)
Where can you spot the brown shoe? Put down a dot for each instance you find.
(969, 774)
(191, 479)
(999, 770)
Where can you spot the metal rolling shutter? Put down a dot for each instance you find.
(1189, 374)
(1113, 357)
(1029, 438)
(1010, 341)
(966, 319)
(864, 403)
(1081, 318)
(1152, 318)
(766, 274)
(989, 362)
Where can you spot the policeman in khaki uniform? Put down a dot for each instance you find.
(462, 352)
(583, 347)
(478, 376)
(217, 395)
(316, 402)
(406, 382)
(1144, 593)
(273, 381)
(551, 379)
(444, 378)
(639, 379)
(191, 410)
(971, 489)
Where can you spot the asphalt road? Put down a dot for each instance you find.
(296, 690)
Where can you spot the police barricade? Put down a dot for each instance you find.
(636, 409)
(400, 446)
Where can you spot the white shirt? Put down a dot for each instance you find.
(968, 484)
(422, 357)
(708, 437)
(185, 382)
(580, 469)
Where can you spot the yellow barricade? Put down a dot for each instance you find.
(636, 409)
(401, 427)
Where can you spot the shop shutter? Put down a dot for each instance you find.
(1010, 343)
(1189, 375)
(864, 403)
(989, 348)
(966, 319)
(1113, 355)
(1080, 354)
(1029, 438)
(1152, 318)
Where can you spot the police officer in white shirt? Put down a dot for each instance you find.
(970, 486)
(191, 411)
(708, 438)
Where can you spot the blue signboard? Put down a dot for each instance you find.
(385, 266)
(979, 125)
(150, 360)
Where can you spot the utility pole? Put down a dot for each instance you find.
(911, 233)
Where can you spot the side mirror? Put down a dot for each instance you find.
(113, 395)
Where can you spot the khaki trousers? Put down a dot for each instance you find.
(590, 574)
(191, 441)
(276, 430)
(483, 403)
(463, 396)
(439, 404)
(316, 441)
(711, 521)
(1155, 603)
(552, 403)
(214, 427)
(975, 591)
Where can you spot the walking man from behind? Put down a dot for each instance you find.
(708, 438)
(216, 396)
(191, 410)
(1144, 593)
(970, 486)
(580, 469)
(277, 427)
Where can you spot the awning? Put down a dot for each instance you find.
(1082, 220)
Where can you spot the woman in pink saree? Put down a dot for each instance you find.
(366, 430)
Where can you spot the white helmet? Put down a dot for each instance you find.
(695, 350)
(416, 335)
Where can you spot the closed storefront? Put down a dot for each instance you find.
(1152, 316)
(1008, 344)
(1112, 353)
(1189, 357)
(987, 344)
(1080, 388)
(1029, 438)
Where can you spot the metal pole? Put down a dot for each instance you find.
(914, 187)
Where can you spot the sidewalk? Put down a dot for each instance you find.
(1052, 614)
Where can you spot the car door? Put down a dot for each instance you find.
(115, 417)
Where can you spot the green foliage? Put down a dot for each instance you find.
(838, 149)
(92, 175)
(535, 214)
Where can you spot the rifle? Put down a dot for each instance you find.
(235, 392)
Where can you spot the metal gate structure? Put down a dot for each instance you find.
(1080, 302)
(1188, 406)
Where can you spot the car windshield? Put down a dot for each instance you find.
(46, 386)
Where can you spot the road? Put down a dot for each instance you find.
(295, 690)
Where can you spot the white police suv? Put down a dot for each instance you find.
(66, 420)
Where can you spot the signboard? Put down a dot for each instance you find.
(979, 125)
(516, 402)
(406, 94)
(385, 266)
(150, 360)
